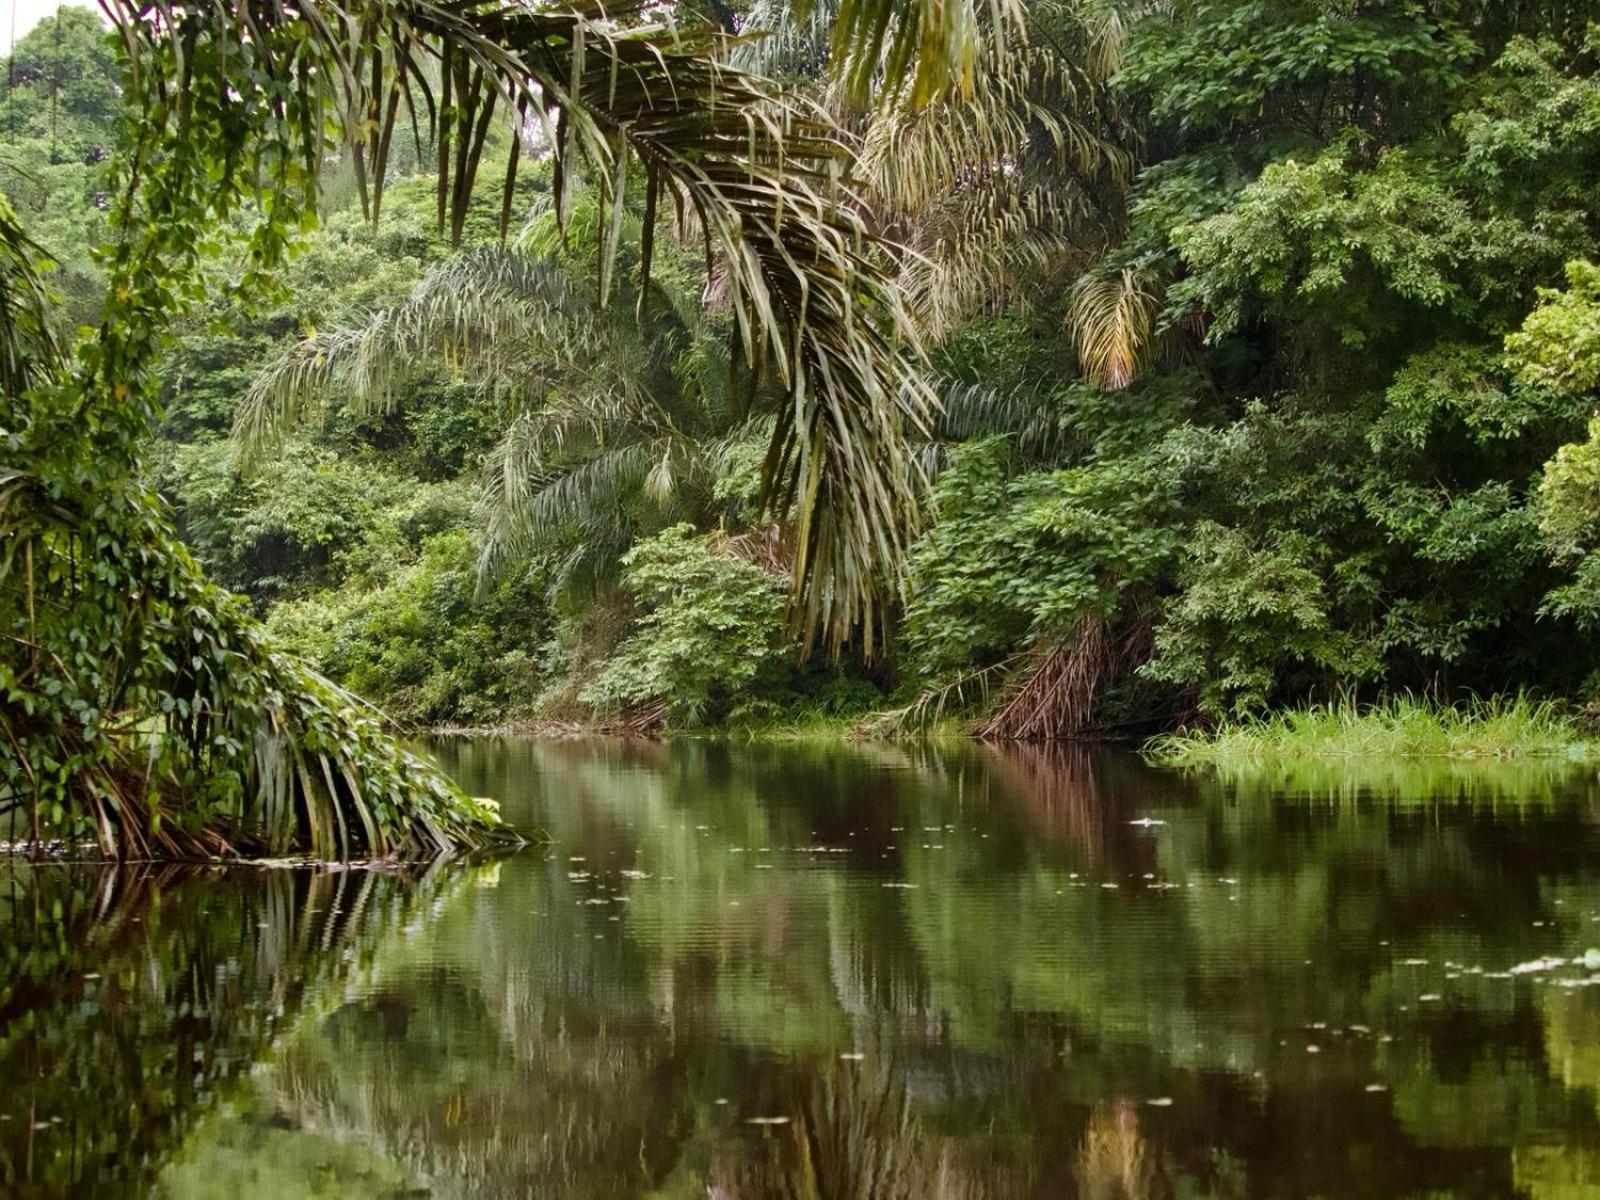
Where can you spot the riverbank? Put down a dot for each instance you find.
(1401, 728)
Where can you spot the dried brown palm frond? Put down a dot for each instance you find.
(935, 703)
(1055, 697)
(1052, 695)
(1110, 317)
(766, 546)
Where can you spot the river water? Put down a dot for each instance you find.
(839, 972)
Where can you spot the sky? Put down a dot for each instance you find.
(28, 13)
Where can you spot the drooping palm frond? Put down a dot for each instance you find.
(1000, 195)
(1032, 419)
(1109, 23)
(994, 243)
(499, 317)
(763, 172)
(289, 761)
(1110, 317)
(1030, 102)
(928, 48)
(528, 502)
(592, 430)
(785, 41)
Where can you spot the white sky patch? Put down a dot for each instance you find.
(18, 17)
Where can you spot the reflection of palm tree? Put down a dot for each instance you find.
(1056, 785)
(1114, 1161)
(856, 1137)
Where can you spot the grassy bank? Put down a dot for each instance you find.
(1403, 727)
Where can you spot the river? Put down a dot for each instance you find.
(842, 972)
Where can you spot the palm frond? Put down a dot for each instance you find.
(529, 502)
(929, 47)
(992, 244)
(1000, 194)
(1109, 317)
(1030, 103)
(1032, 419)
(497, 316)
(786, 41)
(763, 172)
(1108, 23)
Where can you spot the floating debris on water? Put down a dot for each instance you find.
(1537, 964)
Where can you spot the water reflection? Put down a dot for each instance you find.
(134, 1001)
(840, 972)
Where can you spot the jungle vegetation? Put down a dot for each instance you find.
(1062, 368)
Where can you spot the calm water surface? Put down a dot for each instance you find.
(839, 972)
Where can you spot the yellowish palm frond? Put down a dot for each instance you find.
(1110, 316)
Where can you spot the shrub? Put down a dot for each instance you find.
(711, 642)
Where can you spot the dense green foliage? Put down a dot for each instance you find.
(1265, 332)
(1342, 216)
(145, 707)
(711, 631)
(1309, 451)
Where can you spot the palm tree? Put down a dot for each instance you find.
(119, 651)
(1000, 190)
(765, 176)
(612, 411)
(1005, 194)
(621, 420)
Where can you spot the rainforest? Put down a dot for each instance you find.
(1067, 369)
(800, 599)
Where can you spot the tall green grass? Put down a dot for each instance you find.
(1397, 728)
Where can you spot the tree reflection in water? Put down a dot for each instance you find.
(836, 973)
(134, 999)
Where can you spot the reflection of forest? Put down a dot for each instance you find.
(133, 1000)
(897, 972)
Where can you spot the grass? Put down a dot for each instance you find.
(1402, 727)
